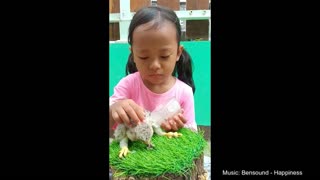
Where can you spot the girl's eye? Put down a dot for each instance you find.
(143, 57)
(164, 57)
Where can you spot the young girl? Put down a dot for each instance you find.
(156, 59)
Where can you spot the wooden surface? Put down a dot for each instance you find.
(135, 5)
(172, 4)
(197, 29)
(114, 30)
(197, 4)
(114, 6)
(207, 132)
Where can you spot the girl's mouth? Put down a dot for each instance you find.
(155, 75)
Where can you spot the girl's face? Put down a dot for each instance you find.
(155, 53)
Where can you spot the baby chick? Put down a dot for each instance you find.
(143, 132)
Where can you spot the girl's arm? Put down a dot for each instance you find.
(187, 104)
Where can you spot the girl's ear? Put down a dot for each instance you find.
(180, 49)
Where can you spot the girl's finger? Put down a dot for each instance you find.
(179, 123)
(116, 117)
(173, 125)
(138, 110)
(134, 119)
(183, 120)
(165, 126)
(123, 116)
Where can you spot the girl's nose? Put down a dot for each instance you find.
(155, 65)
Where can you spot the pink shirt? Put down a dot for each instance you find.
(132, 87)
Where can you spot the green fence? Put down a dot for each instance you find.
(200, 53)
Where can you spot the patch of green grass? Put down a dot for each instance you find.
(170, 155)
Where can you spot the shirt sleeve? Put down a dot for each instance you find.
(121, 91)
(187, 104)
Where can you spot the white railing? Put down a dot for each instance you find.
(125, 16)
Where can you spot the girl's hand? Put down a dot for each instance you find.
(127, 112)
(174, 123)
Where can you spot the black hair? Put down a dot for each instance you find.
(183, 68)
